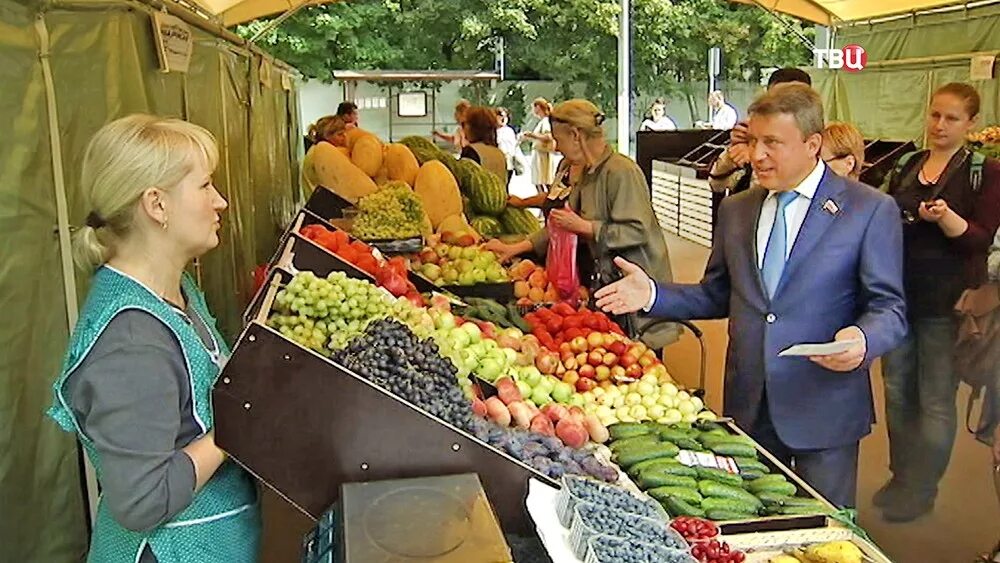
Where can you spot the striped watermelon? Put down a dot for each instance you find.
(519, 221)
(487, 226)
(487, 194)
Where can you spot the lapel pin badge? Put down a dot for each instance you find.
(830, 207)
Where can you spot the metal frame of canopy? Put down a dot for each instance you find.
(350, 79)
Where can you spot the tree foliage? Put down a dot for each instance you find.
(570, 41)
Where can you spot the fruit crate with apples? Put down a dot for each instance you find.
(305, 424)
(465, 270)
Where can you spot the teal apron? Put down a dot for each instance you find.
(222, 523)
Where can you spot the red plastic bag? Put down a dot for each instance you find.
(560, 262)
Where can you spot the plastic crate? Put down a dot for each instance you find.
(650, 553)
(570, 495)
(589, 521)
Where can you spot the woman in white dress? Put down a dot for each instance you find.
(506, 140)
(543, 165)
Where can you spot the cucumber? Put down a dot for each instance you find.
(729, 505)
(690, 496)
(515, 317)
(648, 439)
(732, 449)
(709, 426)
(689, 444)
(671, 434)
(770, 498)
(679, 507)
(630, 456)
(651, 479)
(719, 490)
(782, 487)
(659, 463)
(751, 463)
(805, 502)
(749, 475)
(772, 478)
(719, 475)
(711, 439)
(627, 430)
(727, 515)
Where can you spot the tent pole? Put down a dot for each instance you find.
(805, 40)
(624, 87)
(65, 244)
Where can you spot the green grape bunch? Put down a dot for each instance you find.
(324, 314)
(393, 212)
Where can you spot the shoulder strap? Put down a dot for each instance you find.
(898, 169)
(976, 171)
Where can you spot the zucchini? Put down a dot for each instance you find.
(648, 439)
(658, 463)
(630, 456)
(719, 475)
(627, 430)
(690, 496)
(733, 449)
(727, 515)
(679, 507)
(652, 478)
(719, 490)
(729, 505)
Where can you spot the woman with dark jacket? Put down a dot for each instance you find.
(949, 202)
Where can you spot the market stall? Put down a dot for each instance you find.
(365, 362)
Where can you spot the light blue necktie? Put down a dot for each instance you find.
(777, 245)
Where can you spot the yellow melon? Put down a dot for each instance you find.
(400, 163)
(366, 154)
(333, 170)
(438, 191)
(354, 135)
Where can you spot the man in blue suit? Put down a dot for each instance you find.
(805, 257)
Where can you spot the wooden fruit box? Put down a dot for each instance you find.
(304, 425)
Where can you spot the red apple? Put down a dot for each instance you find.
(645, 361)
(595, 358)
(627, 360)
(606, 384)
(649, 354)
(587, 371)
(609, 339)
(639, 348)
(634, 371)
(564, 349)
(570, 362)
(579, 344)
(617, 347)
(583, 385)
(601, 351)
(602, 373)
(428, 256)
(595, 340)
(546, 362)
(566, 355)
(609, 359)
(618, 373)
(581, 359)
(571, 377)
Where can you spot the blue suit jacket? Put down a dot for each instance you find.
(845, 268)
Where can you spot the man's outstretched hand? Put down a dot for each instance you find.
(627, 295)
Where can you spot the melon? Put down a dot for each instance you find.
(334, 171)
(354, 135)
(400, 163)
(366, 154)
(438, 191)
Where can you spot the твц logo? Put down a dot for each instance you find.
(851, 58)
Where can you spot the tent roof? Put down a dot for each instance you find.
(233, 12)
(828, 12)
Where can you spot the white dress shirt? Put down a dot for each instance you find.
(795, 215)
(724, 118)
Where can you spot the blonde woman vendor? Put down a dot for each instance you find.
(145, 353)
(608, 206)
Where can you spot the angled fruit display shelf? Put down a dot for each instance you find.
(305, 425)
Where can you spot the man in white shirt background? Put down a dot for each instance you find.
(724, 115)
(805, 256)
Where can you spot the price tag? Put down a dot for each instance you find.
(705, 459)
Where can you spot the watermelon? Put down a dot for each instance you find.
(487, 194)
(487, 226)
(519, 221)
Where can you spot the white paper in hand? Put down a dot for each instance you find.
(819, 349)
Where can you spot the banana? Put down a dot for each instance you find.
(783, 558)
(833, 552)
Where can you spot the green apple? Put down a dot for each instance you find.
(622, 413)
(604, 411)
(464, 266)
(619, 402)
(706, 415)
(489, 369)
(531, 375)
(431, 271)
(683, 396)
(638, 412)
(547, 383)
(633, 399)
(510, 355)
(669, 389)
(689, 417)
(524, 388)
(482, 261)
(540, 396)
(673, 416)
(460, 338)
(646, 389)
(657, 412)
(444, 321)
(698, 404)
(450, 275)
(562, 392)
(475, 335)
(470, 252)
(479, 275)
(467, 278)
(649, 400)
(455, 252)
